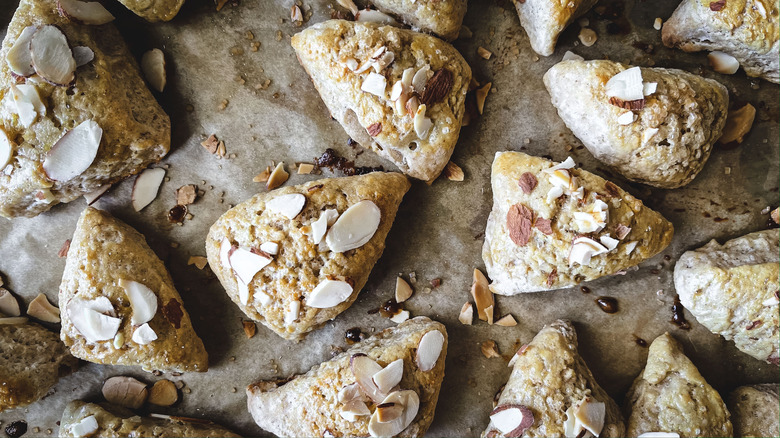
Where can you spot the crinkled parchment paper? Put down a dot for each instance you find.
(217, 75)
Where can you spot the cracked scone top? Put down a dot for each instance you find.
(333, 397)
(118, 303)
(732, 289)
(554, 225)
(275, 256)
(544, 20)
(397, 92)
(553, 383)
(670, 395)
(442, 17)
(107, 90)
(754, 410)
(667, 137)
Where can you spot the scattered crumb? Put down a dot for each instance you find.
(657, 23)
(200, 262)
(63, 252)
(211, 144)
(305, 168)
(489, 349)
(250, 328)
(187, 194)
(484, 53)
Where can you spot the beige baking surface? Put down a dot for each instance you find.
(438, 232)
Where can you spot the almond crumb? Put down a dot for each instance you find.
(481, 95)
(63, 252)
(277, 177)
(483, 297)
(250, 328)
(466, 315)
(775, 215)
(489, 349)
(200, 262)
(453, 172)
(186, 195)
(484, 53)
(738, 124)
(211, 143)
(507, 321)
(221, 149)
(262, 176)
(296, 15)
(305, 168)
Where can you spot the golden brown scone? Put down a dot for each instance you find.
(754, 410)
(273, 262)
(118, 302)
(732, 289)
(671, 396)
(32, 359)
(553, 229)
(107, 90)
(544, 20)
(88, 419)
(748, 30)
(663, 144)
(154, 10)
(553, 383)
(332, 399)
(441, 17)
(359, 92)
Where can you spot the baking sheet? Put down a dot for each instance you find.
(439, 229)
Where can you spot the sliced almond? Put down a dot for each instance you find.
(163, 393)
(291, 314)
(296, 16)
(420, 78)
(153, 66)
(402, 290)
(484, 53)
(507, 321)
(329, 293)
(586, 415)
(429, 349)
(373, 16)
(94, 195)
(386, 412)
(738, 124)
(28, 103)
(364, 368)
(626, 85)
(389, 376)
(287, 205)
(349, 4)
(83, 55)
(144, 334)
(481, 95)
(483, 297)
(146, 186)
(775, 215)
(277, 177)
(466, 315)
(224, 252)
(355, 227)
(6, 149)
(453, 172)
(489, 349)
(350, 392)
(489, 314)
(626, 118)
(247, 264)
(86, 427)
(512, 420)
(375, 84)
(19, 58)
(723, 63)
(51, 56)
(200, 262)
(92, 13)
(8, 304)
(354, 409)
(400, 317)
(305, 168)
(422, 124)
(142, 300)
(125, 391)
(583, 249)
(41, 309)
(88, 318)
(569, 56)
(270, 248)
(14, 320)
(320, 226)
(411, 405)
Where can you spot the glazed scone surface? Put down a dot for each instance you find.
(108, 90)
(441, 17)
(732, 289)
(754, 410)
(544, 20)
(672, 136)
(543, 263)
(325, 50)
(154, 10)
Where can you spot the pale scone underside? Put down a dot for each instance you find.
(154, 10)
(672, 136)
(440, 17)
(544, 20)
(307, 405)
(754, 410)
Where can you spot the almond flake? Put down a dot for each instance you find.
(484, 53)
(375, 84)
(142, 300)
(481, 293)
(723, 63)
(422, 124)
(633, 105)
(453, 172)
(389, 376)
(41, 309)
(144, 334)
(74, 152)
(277, 177)
(738, 124)
(629, 248)
(519, 220)
(19, 58)
(6, 149)
(289, 205)
(200, 262)
(364, 368)
(372, 16)
(305, 168)
(96, 194)
(153, 67)
(583, 248)
(489, 314)
(626, 118)
(263, 176)
(466, 315)
(329, 293)
(89, 319)
(271, 248)
(85, 427)
(355, 227)
(63, 252)
(387, 412)
(626, 85)
(429, 349)
(420, 78)
(489, 349)
(571, 56)
(585, 415)
(512, 420)
(402, 290)
(349, 4)
(481, 95)
(291, 314)
(8, 304)
(84, 12)
(296, 16)
(775, 215)
(186, 195)
(83, 55)
(51, 56)
(146, 186)
(544, 225)
(658, 23)
(411, 405)
(211, 143)
(622, 231)
(400, 317)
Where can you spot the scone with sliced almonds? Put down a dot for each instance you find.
(554, 226)
(551, 392)
(32, 359)
(62, 84)
(386, 385)
(671, 396)
(397, 92)
(441, 17)
(118, 302)
(754, 410)
(81, 419)
(154, 10)
(544, 20)
(653, 125)
(296, 257)
(732, 289)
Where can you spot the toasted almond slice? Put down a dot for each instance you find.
(74, 152)
(28, 103)
(372, 16)
(355, 227)
(6, 149)
(86, 427)
(146, 186)
(481, 293)
(291, 314)
(429, 349)
(422, 124)
(420, 78)
(349, 4)
(389, 376)
(489, 314)
(125, 391)
(466, 315)
(153, 66)
(51, 56)
(277, 177)
(350, 392)
(19, 58)
(402, 290)
(512, 420)
(163, 393)
(186, 194)
(364, 368)
(329, 293)
(590, 414)
(247, 264)
(411, 405)
(142, 300)
(225, 248)
(583, 249)
(387, 412)
(83, 55)
(626, 85)
(481, 95)
(775, 215)
(14, 320)
(375, 84)
(489, 349)
(96, 194)
(287, 205)
(723, 63)
(92, 323)
(144, 334)
(320, 226)
(507, 321)
(8, 304)
(453, 172)
(484, 53)
(82, 12)
(41, 309)
(200, 262)
(305, 168)
(354, 409)
(400, 317)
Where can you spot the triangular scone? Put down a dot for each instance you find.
(402, 365)
(32, 359)
(296, 257)
(544, 20)
(82, 419)
(754, 410)
(552, 387)
(154, 10)
(441, 17)
(748, 30)
(118, 302)
(108, 93)
(661, 138)
(671, 396)
(554, 226)
(397, 92)
(732, 289)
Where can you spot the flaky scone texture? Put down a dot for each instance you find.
(154, 10)
(748, 30)
(670, 395)
(543, 263)
(548, 377)
(117, 422)
(105, 250)
(672, 136)
(32, 359)
(307, 405)
(544, 20)
(754, 410)
(732, 289)
(301, 264)
(441, 17)
(323, 50)
(108, 90)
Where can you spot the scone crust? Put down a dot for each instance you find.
(754, 410)
(688, 111)
(103, 251)
(108, 90)
(441, 17)
(322, 50)
(543, 263)
(548, 377)
(154, 10)
(732, 289)
(544, 20)
(300, 266)
(307, 405)
(116, 422)
(670, 395)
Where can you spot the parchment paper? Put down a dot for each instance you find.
(439, 229)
